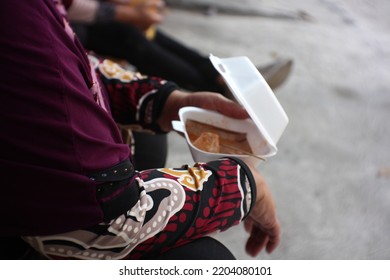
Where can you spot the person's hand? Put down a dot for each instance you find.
(206, 100)
(143, 15)
(262, 224)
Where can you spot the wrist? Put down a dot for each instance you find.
(176, 100)
(249, 186)
(124, 14)
(106, 12)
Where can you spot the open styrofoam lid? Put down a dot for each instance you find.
(252, 91)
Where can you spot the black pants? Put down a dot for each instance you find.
(150, 151)
(206, 248)
(162, 57)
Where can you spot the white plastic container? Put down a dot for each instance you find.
(257, 142)
(268, 119)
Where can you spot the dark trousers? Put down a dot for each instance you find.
(205, 248)
(150, 151)
(162, 57)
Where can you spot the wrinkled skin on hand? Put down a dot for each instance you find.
(262, 223)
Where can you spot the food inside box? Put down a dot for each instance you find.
(214, 139)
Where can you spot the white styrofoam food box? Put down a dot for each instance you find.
(267, 117)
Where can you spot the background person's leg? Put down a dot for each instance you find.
(161, 57)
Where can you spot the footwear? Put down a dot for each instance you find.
(277, 72)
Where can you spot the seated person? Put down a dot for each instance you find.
(129, 31)
(70, 189)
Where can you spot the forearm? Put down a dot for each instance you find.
(83, 11)
(135, 99)
(217, 195)
(94, 11)
(175, 206)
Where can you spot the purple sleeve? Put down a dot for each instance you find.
(53, 131)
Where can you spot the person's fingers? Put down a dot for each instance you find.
(271, 229)
(160, 5)
(217, 102)
(260, 239)
(272, 244)
(256, 242)
(248, 223)
(274, 237)
(230, 108)
(206, 100)
(156, 7)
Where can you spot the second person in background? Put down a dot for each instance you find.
(127, 30)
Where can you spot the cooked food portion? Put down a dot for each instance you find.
(196, 128)
(208, 142)
(217, 140)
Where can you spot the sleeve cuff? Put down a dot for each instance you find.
(248, 181)
(160, 99)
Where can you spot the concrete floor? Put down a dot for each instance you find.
(331, 176)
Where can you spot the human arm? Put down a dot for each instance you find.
(152, 103)
(48, 94)
(206, 100)
(92, 11)
(262, 223)
(213, 212)
(142, 14)
(212, 207)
